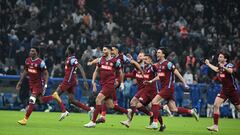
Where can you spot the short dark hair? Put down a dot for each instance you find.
(225, 54)
(36, 48)
(108, 47)
(148, 55)
(71, 49)
(164, 51)
(115, 47)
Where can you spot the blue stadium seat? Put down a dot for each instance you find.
(195, 95)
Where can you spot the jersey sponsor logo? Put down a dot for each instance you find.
(106, 67)
(35, 65)
(66, 67)
(141, 76)
(34, 71)
(161, 74)
(222, 75)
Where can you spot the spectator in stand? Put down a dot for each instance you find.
(126, 92)
(188, 77)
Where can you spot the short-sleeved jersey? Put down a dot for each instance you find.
(165, 71)
(107, 69)
(123, 59)
(34, 70)
(70, 69)
(149, 74)
(138, 75)
(228, 81)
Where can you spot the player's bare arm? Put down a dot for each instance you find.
(92, 62)
(214, 68)
(83, 75)
(121, 75)
(45, 76)
(176, 72)
(94, 79)
(23, 75)
(229, 70)
(153, 80)
(137, 66)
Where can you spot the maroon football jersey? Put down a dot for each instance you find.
(138, 76)
(165, 72)
(123, 59)
(149, 74)
(70, 69)
(228, 81)
(107, 69)
(35, 69)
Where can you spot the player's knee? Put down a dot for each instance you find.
(216, 106)
(139, 105)
(154, 102)
(173, 109)
(107, 105)
(110, 105)
(32, 100)
(238, 108)
(98, 101)
(132, 103)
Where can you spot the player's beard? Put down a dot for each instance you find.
(140, 61)
(33, 56)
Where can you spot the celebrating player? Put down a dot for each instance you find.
(123, 60)
(36, 70)
(229, 87)
(166, 71)
(107, 67)
(70, 82)
(146, 92)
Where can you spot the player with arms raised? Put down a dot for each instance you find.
(107, 66)
(166, 72)
(229, 87)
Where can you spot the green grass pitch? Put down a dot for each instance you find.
(42, 123)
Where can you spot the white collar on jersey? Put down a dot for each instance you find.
(162, 61)
(35, 59)
(108, 58)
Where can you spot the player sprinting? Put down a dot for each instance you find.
(146, 92)
(123, 60)
(107, 67)
(69, 83)
(166, 73)
(36, 70)
(229, 87)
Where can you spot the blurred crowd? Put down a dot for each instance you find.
(192, 30)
